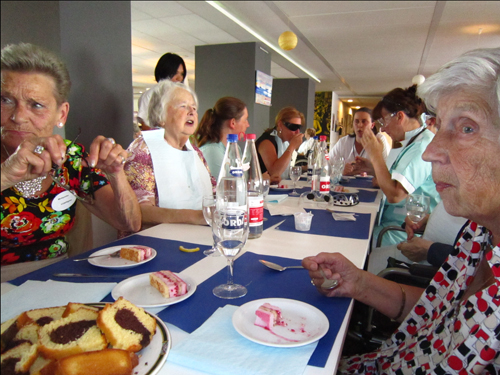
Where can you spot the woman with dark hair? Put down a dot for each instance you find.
(400, 110)
(276, 146)
(349, 147)
(228, 116)
(169, 66)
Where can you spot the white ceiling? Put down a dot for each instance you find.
(359, 49)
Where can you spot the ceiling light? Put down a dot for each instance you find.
(270, 45)
(350, 100)
(418, 79)
(357, 107)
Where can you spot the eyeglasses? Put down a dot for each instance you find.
(383, 122)
(59, 177)
(292, 127)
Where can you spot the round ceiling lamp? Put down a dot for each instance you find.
(418, 79)
(287, 41)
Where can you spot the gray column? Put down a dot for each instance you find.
(295, 92)
(229, 70)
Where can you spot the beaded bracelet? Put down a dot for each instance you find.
(403, 303)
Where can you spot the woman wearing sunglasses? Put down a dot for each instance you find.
(276, 146)
(38, 211)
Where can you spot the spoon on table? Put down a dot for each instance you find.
(275, 266)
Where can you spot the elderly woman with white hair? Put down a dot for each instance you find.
(167, 173)
(453, 326)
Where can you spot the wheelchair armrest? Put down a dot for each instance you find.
(393, 227)
(423, 270)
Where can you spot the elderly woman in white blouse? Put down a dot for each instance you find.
(169, 174)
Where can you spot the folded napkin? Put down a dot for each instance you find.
(276, 198)
(40, 294)
(216, 348)
(279, 209)
(343, 216)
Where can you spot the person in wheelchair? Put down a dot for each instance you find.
(452, 326)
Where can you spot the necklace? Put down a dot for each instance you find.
(30, 187)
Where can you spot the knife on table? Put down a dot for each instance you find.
(87, 275)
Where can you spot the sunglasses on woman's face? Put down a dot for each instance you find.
(292, 127)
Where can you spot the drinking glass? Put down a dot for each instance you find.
(417, 206)
(265, 191)
(295, 173)
(208, 208)
(230, 232)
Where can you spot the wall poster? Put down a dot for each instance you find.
(263, 88)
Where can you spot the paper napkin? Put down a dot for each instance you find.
(217, 348)
(343, 216)
(40, 294)
(276, 198)
(279, 209)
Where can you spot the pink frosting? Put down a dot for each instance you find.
(176, 286)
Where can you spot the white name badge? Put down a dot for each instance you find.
(63, 201)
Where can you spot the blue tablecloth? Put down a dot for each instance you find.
(168, 257)
(261, 282)
(365, 183)
(324, 224)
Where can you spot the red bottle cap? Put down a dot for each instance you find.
(322, 137)
(250, 136)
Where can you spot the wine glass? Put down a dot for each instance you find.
(417, 206)
(230, 232)
(208, 208)
(295, 173)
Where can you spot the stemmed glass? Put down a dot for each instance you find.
(230, 232)
(417, 206)
(208, 208)
(295, 173)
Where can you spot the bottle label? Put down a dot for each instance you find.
(236, 172)
(324, 185)
(256, 210)
(233, 221)
(309, 172)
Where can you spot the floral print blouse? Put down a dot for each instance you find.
(444, 334)
(31, 228)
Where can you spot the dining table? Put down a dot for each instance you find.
(279, 243)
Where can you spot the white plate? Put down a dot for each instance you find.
(367, 177)
(276, 188)
(152, 357)
(108, 262)
(139, 291)
(347, 190)
(305, 323)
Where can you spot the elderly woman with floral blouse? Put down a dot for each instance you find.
(451, 327)
(169, 174)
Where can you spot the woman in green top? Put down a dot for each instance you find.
(228, 116)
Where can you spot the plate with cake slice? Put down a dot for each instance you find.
(280, 322)
(339, 189)
(129, 256)
(155, 289)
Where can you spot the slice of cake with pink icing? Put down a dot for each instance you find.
(136, 253)
(168, 284)
(268, 316)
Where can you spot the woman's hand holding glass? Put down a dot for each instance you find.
(295, 173)
(208, 208)
(230, 232)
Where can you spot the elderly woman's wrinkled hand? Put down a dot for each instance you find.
(415, 249)
(107, 155)
(335, 267)
(33, 158)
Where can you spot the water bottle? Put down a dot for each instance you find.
(231, 186)
(324, 179)
(253, 177)
(318, 162)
